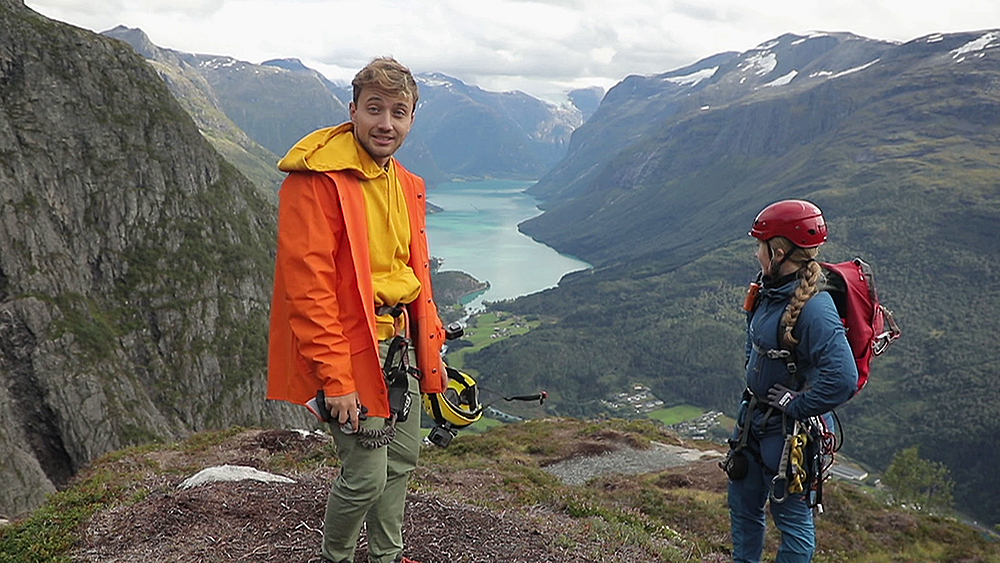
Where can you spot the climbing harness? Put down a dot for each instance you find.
(806, 457)
(807, 453)
(736, 464)
(397, 370)
(456, 407)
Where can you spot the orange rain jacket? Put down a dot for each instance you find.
(322, 332)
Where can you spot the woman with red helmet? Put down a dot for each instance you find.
(788, 319)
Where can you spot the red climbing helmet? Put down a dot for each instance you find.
(797, 220)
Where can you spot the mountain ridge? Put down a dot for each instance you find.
(897, 146)
(461, 131)
(199, 99)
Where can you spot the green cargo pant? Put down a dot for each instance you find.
(371, 488)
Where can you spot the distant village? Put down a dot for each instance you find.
(502, 331)
(640, 401)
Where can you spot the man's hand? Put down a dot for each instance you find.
(780, 396)
(346, 410)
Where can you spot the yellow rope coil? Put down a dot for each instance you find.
(796, 456)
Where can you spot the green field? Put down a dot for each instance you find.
(487, 328)
(673, 415)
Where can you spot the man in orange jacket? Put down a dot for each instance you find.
(353, 272)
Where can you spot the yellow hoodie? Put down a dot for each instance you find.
(335, 149)
(323, 330)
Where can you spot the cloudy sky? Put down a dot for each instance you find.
(543, 47)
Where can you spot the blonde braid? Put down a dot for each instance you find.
(811, 274)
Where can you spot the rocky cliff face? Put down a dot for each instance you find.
(135, 262)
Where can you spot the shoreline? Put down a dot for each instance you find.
(479, 228)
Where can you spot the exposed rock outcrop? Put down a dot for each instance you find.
(135, 262)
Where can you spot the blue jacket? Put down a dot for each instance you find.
(823, 356)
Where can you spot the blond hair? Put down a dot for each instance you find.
(811, 278)
(386, 73)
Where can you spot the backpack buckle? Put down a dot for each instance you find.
(777, 354)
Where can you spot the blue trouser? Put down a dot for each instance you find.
(747, 498)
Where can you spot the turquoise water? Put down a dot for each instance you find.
(477, 234)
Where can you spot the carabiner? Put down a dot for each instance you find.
(776, 479)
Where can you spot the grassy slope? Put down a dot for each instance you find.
(674, 515)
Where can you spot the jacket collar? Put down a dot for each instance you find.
(779, 288)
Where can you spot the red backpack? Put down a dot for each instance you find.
(870, 326)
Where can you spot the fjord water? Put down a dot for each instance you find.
(477, 233)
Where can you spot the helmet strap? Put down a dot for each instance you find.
(774, 271)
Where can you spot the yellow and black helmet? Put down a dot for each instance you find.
(459, 405)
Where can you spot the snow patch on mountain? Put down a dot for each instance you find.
(855, 69)
(435, 80)
(219, 62)
(693, 78)
(783, 80)
(812, 35)
(760, 63)
(984, 42)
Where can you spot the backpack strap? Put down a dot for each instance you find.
(789, 356)
(781, 353)
(748, 419)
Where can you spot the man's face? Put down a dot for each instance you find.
(381, 122)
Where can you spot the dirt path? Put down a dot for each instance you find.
(628, 461)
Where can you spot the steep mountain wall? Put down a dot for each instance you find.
(135, 263)
(473, 132)
(199, 99)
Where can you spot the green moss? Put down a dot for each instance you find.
(93, 327)
(51, 531)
